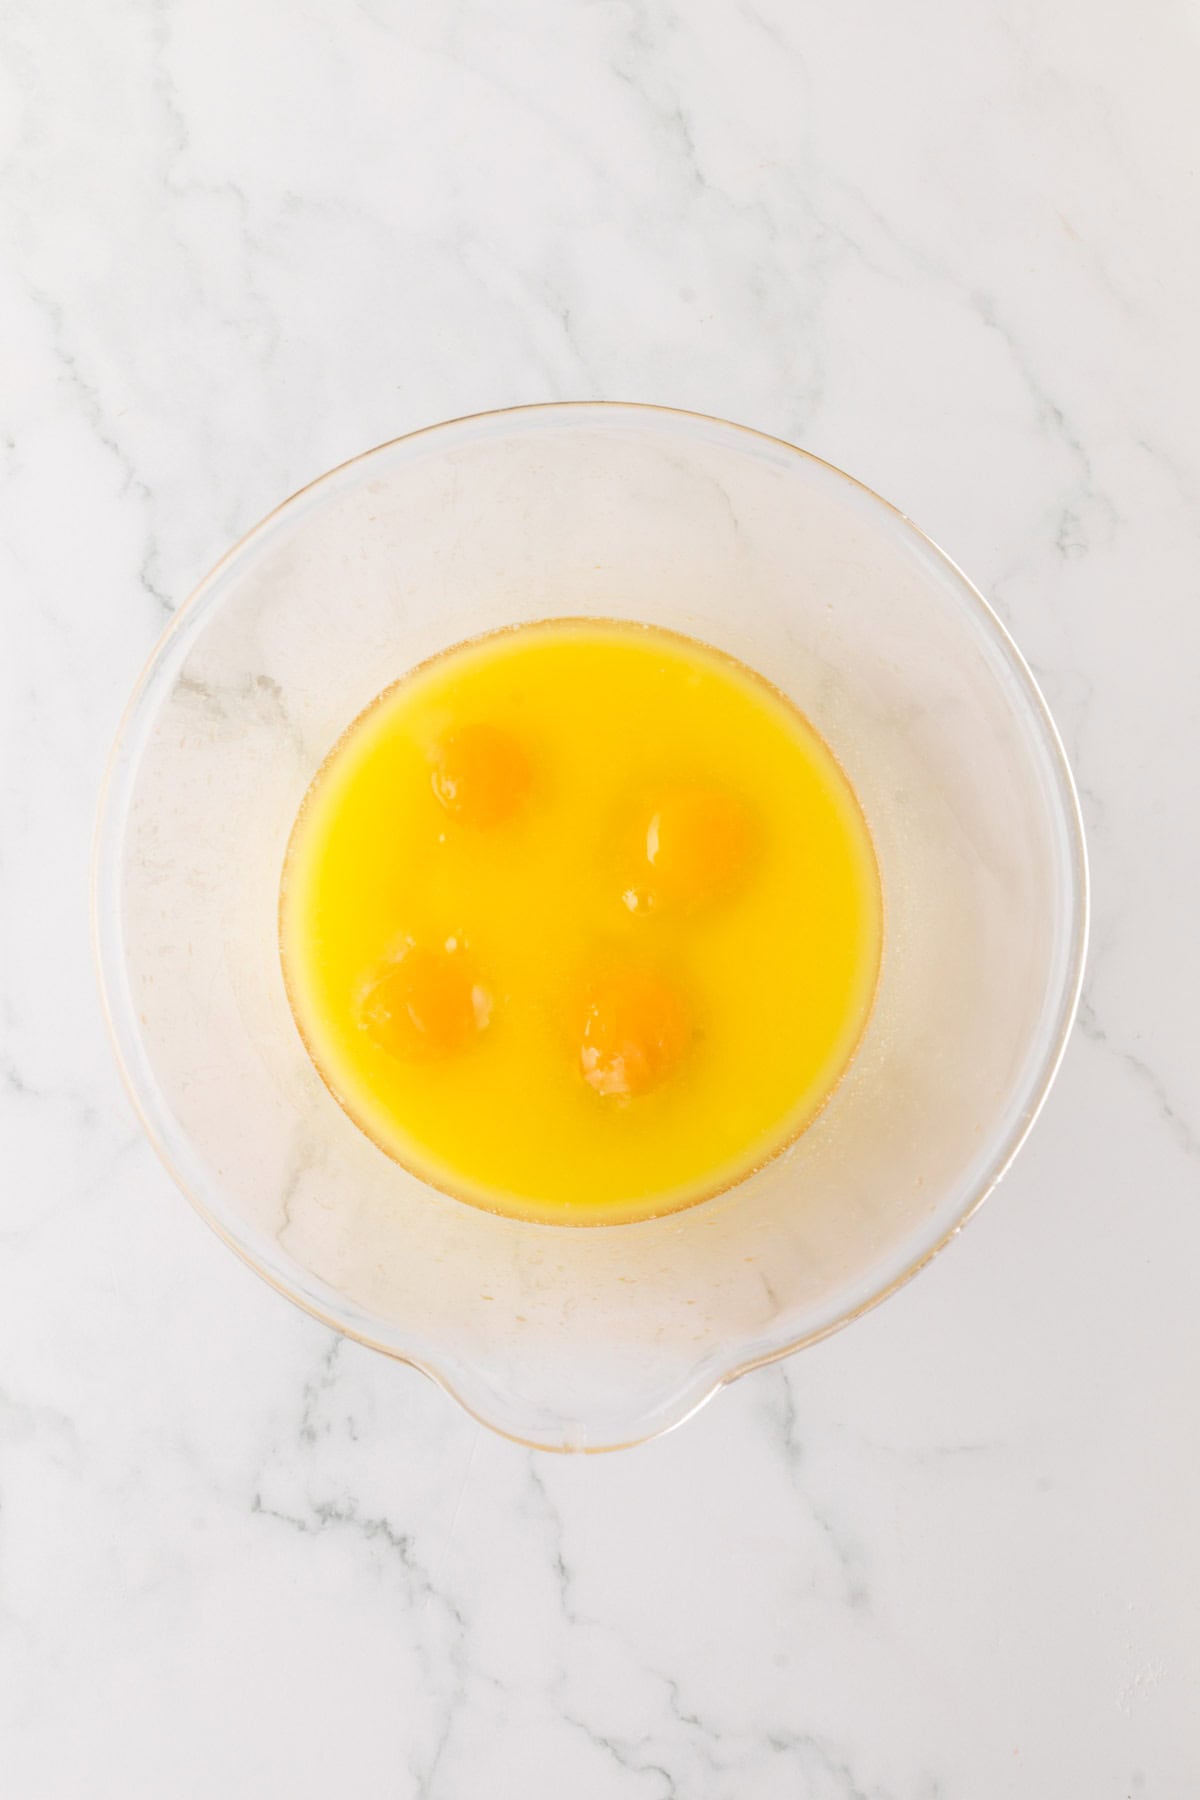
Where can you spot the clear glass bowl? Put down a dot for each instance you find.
(591, 1338)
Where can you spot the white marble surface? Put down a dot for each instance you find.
(952, 1552)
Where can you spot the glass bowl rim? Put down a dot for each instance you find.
(105, 899)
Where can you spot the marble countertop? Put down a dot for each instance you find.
(950, 1554)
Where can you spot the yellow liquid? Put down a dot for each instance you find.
(637, 816)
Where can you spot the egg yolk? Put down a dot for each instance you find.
(695, 844)
(428, 1004)
(481, 774)
(636, 1031)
